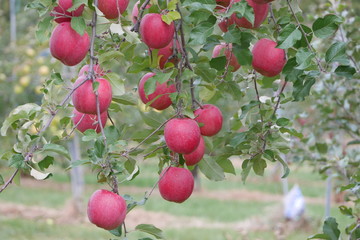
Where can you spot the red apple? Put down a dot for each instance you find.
(62, 15)
(229, 55)
(97, 70)
(176, 184)
(262, 1)
(135, 11)
(161, 94)
(182, 135)
(84, 98)
(267, 59)
(260, 13)
(155, 33)
(165, 53)
(67, 45)
(106, 209)
(112, 8)
(84, 121)
(211, 118)
(193, 158)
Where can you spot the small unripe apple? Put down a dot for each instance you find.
(84, 98)
(60, 12)
(106, 209)
(260, 14)
(112, 8)
(229, 55)
(182, 135)
(165, 53)
(267, 59)
(176, 184)
(135, 11)
(262, 1)
(161, 94)
(67, 45)
(84, 121)
(97, 70)
(211, 119)
(193, 158)
(155, 33)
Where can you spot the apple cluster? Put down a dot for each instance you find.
(267, 59)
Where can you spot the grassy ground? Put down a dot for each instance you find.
(211, 214)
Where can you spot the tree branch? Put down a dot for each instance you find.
(9, 181)
(136, 26)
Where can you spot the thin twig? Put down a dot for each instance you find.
(156, 149)
(126, 153)
(136, 26)
(257, 95)
(305, 36)
(272, 17)
(10, 180)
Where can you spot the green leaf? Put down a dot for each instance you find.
(21, 112)
(304, 58)
(117, 84)
(326, 26)
(330, 228)
(345, 71)
(76, 4)
(2, 182)
(242, 9)
(246, 108)
(17, 161)
(44, 29)
(39, 175)
(170, 17)
(246, 167)
(302, 87)
(319, 236)
(347, 211)
(204, 5)
(211, 169)
(200, 32)
(288, 36)
(99, 148)
(290, 70)
(218, 63)
(226, 164)
(322, 147)
(78, 163)
(112, 134)
(126, 99)
(285, 167)
(150, 229)
(46, 162)
(117, 231)
(78, 24)
(337, 53)
(282, 122)
(238, 139)
(160, 77)
(172, 5)
(259, 165)
(55, 148)
(205, 72)
(353, 142)
(89, 135)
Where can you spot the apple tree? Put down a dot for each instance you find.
(223, 79)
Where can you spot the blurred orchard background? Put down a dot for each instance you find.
(326, 159)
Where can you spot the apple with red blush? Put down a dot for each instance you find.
(62, 15)
(267, 59)
(210, 119)
(84, 98)
(228, 53)
(193, 158)
(160, 98)
(112, 8)
(106, 209)
(176, 184)
(84, 121)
